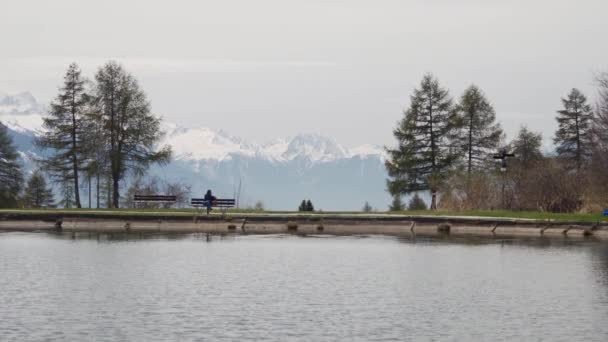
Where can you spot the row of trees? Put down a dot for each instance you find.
(37, 193)
(448, 147)
(99, 131)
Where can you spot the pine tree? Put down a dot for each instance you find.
(416, 203)
(130, 130)
(302, 206)
(309, 206)
(397, 204)
(526, 147)
(426, 150)
(367, 207)
(65, 131)
(11, 179)
(573, 137)
(37, 193)
(481, 135)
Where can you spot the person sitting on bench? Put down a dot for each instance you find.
(209, 198)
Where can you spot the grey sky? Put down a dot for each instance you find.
(272, 68)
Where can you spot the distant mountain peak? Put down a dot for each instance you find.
(21, 112)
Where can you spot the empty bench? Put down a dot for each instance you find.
(154, 199)
(222, 203)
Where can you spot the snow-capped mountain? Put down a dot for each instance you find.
(21, 112)
(205, 144)
(280, 172)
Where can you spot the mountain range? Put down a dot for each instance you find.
(280, 173)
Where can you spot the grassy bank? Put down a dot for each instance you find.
(532, 215)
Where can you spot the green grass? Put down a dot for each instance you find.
(578, 217)
(534, 215)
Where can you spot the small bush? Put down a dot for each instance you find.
(416, 203)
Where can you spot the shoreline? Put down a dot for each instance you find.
(297, 223)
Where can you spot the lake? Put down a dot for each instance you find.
(315, 288)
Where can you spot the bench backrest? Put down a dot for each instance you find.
(219, 202)
(154, 198)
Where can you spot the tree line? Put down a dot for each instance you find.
(97, 131)
(447, 148)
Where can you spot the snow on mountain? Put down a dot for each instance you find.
(202, 143)
(23, 114)
(281, 172)
(368, 150)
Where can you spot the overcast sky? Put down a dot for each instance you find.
(346, 68)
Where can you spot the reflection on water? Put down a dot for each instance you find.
(202, 287)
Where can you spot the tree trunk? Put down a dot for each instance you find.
(89, 192)
(115, 191)
(75, 152)
(108, 186)
(76, 189)
(433, 199)
(97, 191)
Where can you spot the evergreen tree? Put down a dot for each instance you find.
(302, 206)
(426, 148)
(37, 193)
(416, 203)
(526, 147)
(397, 204)
(367, 207)
(64, 131)
(11, 179)
(130, 131)
(481, 135)
(309, 206)
(573, 137)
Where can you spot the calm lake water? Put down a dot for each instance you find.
(280, 288)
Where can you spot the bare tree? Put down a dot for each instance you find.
(130, 130)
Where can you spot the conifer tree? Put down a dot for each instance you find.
(526, 147)
(427, 149)
(302, 206)
(397, 204)
(309, 206)
(37, 193)
(11, 179)
(130, 131)
(64, 131)
(367, 207)
(481, 135)
(573, 137)
(416, 203)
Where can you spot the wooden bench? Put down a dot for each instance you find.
(154, 198)
(222, 203)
